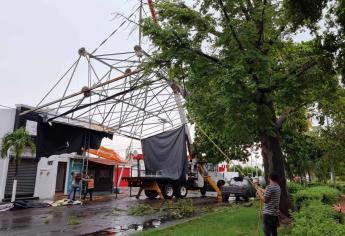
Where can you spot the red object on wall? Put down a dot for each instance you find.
(125, 173)
(221, 168)
(137, 157)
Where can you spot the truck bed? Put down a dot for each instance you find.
(146, 180)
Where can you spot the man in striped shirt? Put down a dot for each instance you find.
(271, 198)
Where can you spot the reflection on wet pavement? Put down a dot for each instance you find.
(102, 218)
(124, 229)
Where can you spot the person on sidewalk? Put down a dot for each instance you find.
(90, 185)
(70, 190)
(75, 184)
(271, 198)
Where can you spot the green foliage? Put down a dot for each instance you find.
(172, 209)
(178, 210)
(16, 142)
(317, 218)
(301, 12)
(323, 194)
(141, 210)
(299, 145)
(249, 170)
(240, 66)
(341, 187)
(74, 220)
(203, 145)
(294, 187)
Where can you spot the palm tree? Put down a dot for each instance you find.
(16, 142)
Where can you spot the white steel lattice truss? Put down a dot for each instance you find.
(112, 92)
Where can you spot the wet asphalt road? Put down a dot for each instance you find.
(89, 218)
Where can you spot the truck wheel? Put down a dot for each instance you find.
(151, 194)
(220, 183)
(225, 197)
(168, 191)
(181, 191)
(203, 191)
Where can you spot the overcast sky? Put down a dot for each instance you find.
(39, 40)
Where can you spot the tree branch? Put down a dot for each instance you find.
(310, 64)
(245, 11)
(200, 53)
(232, 29)
(280, 121)
(261, 25)
(283, 117)
(249, 5)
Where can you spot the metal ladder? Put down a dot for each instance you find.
(84, 169)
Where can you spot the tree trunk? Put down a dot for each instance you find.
(333, 177)
(274, 160)
(309, 176)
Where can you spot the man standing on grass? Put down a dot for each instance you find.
(270, 197)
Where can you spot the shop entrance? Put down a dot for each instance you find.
(61, 177)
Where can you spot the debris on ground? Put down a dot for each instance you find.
(169, 209)
(65, 202)
(25, 204)
(74, 220)
(6, 206)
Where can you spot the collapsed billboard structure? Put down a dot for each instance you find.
(114, 94)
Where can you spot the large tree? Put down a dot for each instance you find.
(244, 72)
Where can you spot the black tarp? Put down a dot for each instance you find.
(61, 138)
(166, 154)
(57, 138)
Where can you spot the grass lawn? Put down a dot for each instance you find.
(231, 221)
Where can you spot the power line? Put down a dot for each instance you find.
(6, 106)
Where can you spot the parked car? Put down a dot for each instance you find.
(240, 187)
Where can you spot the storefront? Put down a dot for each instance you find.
(102, 170)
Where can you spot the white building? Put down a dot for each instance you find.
(7, 117)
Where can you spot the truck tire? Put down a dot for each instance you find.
(181, 191)
(168, 191)
(203, 191)
(220, 183)
(151, 194)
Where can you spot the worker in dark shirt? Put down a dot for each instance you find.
(271, 198)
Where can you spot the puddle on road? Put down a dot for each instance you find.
(149, 224)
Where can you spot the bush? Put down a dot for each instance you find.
(294, 187)
(326, 195)
(341, 187)
(316, 218)
(317, 184)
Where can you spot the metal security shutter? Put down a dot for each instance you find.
(26, 178)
